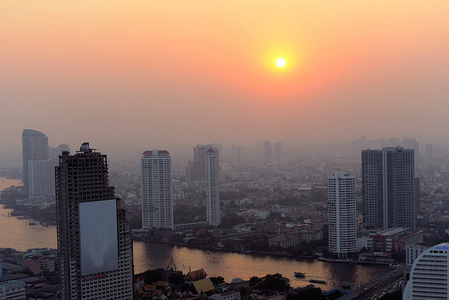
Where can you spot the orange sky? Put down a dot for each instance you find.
(161, 74)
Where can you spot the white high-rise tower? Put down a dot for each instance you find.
(342, 215)
(34, 147)
(212, 187)
(157, 197)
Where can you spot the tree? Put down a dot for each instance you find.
(276, 282)
(255, 281)
(217, 280)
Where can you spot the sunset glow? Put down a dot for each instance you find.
(280, 62)
(138, 61)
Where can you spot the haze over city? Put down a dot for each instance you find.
(131, 76)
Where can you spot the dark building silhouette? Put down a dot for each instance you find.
(94, 240)
(388, 188)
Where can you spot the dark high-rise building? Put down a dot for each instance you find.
(94, 240)
(388, 188)
(34, 147)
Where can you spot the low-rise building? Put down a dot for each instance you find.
(232, 295)
(393, 239)
(12, 290)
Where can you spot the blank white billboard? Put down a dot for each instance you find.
(98, 236)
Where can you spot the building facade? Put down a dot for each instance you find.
(157, 194)
(212, 187)
(196, 169)
(12, 290)
(41, 179)
(34, 147)
(429, 276)
(94, 240)
(388, 188)
(342, 215)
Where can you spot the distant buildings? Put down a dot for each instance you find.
(34, 147)
(54, 152)
(388, 188)
(267, 151)
(157, 195)
(39, 162)
(212, 187)
(429, 152)
(196, 169)
(429, 275)
(362, 144)
(41, 179)
(342, 215)
(277, 151)
(94, 240)
(237, 154)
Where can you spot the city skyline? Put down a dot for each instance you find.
(185, 65)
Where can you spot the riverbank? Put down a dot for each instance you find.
(230, 250)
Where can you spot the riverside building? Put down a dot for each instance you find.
(342, 215)
(429, 275)
(34, 147)
(94, 240)
(157, 195)
(388, 188)
(212, 187)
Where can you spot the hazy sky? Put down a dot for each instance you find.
(163, 74)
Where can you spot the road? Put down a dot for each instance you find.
(378, 287)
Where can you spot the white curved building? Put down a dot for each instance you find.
(429, 275)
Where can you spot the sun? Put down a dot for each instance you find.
(280, 62)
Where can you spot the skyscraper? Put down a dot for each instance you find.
(41, 179)
(212, 187)
(196, 170)
(34, 147)
(157, 197)
(388, 188)
(278, 151)
(342, 215)
(94, 241)
(267, 151)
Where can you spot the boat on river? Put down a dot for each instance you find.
(300, 274)
(317, 281)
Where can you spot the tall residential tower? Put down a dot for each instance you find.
(342, 215)
(388, 188)
(94, 240)
(157, 197)
(212, 187)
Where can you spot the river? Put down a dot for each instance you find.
(18, 234)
